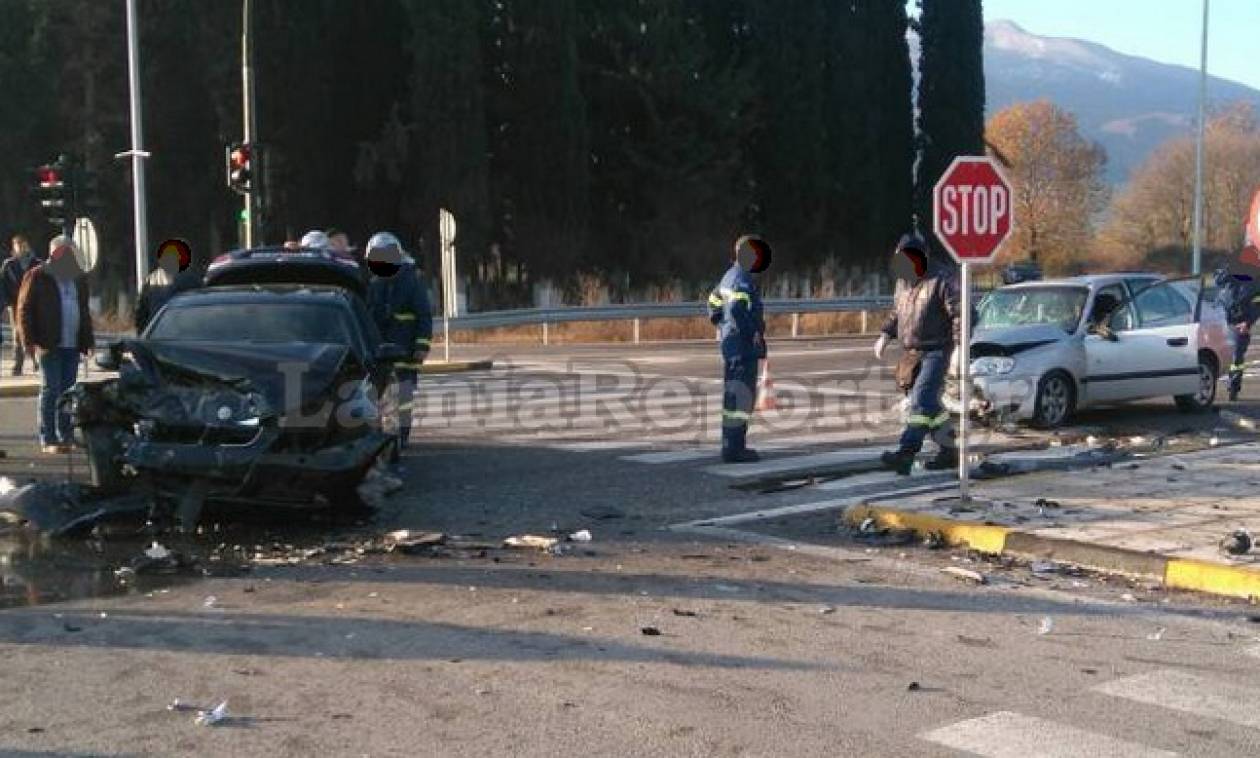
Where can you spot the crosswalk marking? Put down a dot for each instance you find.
(1006, 734)
(1189, 693)
(795, 462)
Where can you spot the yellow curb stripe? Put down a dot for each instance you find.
(986, 538)
(1213, 578)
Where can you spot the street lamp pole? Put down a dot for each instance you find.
(137, 153)
(248, 113)
(1198, 148)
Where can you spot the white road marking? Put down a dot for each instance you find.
(1013, 735)
(801, 508)
(793, 463)
(1185, 692)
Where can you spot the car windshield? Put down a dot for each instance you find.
(1023, 306)
(252, 322)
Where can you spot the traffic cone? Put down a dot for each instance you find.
(765, 389)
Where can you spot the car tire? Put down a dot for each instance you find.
(1056, 400)
(1203, 400)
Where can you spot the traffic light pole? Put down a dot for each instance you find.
(137, 153)
(248, 112)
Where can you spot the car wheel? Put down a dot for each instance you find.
(1205, 397)
(1055, 400)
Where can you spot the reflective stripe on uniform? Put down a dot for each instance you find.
(715, 301)
(1237, 366)
(736, 415)
(730, 294)
(422, 342)
(916, 419)
(939, 421)
(405, 316)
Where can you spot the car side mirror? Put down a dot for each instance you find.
(389, 352)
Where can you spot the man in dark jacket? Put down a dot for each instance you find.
(735, 308)
(57, 326)
(170, 278)
(14, 268)
(400, 306)
(1236, 290)
(927, 319)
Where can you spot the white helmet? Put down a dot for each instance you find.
(316, 239)
(381, 240)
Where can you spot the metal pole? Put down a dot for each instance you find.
(964, 384)
(137, 149)
(1198, 149)
(248, 114)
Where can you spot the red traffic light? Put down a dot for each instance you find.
(49, 177)
(240, 156)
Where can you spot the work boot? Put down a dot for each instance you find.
(1233, 393)
(745, 455)
(900, 461)
(946, 458)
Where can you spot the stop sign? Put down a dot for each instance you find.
(971, 209)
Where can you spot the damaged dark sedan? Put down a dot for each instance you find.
(263, 386)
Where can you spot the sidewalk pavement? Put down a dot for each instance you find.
(1162, 517)
(27, 385)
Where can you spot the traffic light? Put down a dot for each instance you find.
(55, 186)
(240, 172)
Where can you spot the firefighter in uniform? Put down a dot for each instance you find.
(927, 320)
(399, 304)
(735, 308)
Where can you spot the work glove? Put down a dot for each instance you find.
(880, 345)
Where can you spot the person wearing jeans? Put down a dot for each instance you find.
(56, 326)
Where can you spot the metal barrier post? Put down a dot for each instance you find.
(796, 325)
(636, 331)
(545, 336)
(864, 314)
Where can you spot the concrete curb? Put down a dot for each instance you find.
(1175, 573)
(31, 389)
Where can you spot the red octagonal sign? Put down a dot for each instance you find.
(971, 209)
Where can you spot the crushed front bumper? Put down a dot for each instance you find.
(1003, 396)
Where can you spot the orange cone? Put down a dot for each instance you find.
(765, 389)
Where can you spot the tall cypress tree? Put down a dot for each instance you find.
(951, 92)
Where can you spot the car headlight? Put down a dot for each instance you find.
(991, 365)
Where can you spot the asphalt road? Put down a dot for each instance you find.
(807, 649)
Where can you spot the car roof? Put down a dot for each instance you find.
(279, 265)
(253, 293)
(1086, 280)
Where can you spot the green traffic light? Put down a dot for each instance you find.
(244, 215)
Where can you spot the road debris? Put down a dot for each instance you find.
(1157, 635)
(211, 717)
(408, 542)
(533, 541)
(685, 613)
(179, 705)
(913, 687)
(1044, 567)
(1046, 627)
(966, 575)
(6, 485)
(827, 610)
(650, 631)
(1238, 543)
(934, 541)
(210, 602)
(582, 535)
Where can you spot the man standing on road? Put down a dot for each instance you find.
(20, 260)
(1236, 287)
(400, 307)
(735, 308)
(57, 326)
(170, 278)
(927, 319)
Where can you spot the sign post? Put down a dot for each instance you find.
(450, 304)
(972, 217)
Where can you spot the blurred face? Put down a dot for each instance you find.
(752, 254)
(909, 265)
(1246, 265)
(384, 261)
(63, 265)
(21, 246)
(339, 242)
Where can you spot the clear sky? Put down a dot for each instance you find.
(1162, 30)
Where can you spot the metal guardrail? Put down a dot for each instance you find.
(633, 312)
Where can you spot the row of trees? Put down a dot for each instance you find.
(627, 141)
(1068, 220)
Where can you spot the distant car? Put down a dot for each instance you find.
(1043, 350)
(261, 386)
(1021, 272)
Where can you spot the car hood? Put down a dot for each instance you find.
(310, 368)
(1010, 340)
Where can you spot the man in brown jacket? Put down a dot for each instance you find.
(55, 324)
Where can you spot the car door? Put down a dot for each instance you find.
(1152, 349)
